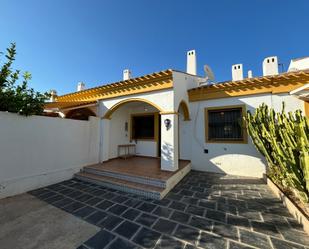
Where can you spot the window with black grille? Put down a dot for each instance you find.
(224, 124)
(143, 127)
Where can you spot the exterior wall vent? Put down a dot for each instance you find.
(191, 62)
(237, 72)
(80, 86)
(270, 66)
(126, 74)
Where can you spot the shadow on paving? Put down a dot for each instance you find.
(204, 210)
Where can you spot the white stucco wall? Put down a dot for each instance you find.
(118, 135)
(236, 159)
(37, 151)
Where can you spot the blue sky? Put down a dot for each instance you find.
(62, 42)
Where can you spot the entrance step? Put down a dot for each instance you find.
(145, 190)
(125, 176)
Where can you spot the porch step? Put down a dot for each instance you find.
(123, 185)
(125, 176)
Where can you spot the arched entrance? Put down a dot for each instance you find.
(136, 122)
(183, 133)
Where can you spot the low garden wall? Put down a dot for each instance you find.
(37, 151)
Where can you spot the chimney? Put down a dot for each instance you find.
(237, 72)
(80, 86)
(191, 62)
(250, 74)
(270, 66)
(53, 95)
(126, 74)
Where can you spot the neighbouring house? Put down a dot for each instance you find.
(172, 115)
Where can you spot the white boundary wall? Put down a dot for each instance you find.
(37, 151)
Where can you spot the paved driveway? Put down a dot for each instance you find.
(202, 211)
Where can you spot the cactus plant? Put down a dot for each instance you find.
(284, 141)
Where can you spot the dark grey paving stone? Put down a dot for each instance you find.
(117, 209)
(234, 245)
(295, 225)
(53, 199)
(99, 193)
(201, 223)
(282, 244)
(84, 197)
(238, 221)
(198, 189)
(147, 207)
(110, 222)
(120, 199)
(164, 226)
(174, 197)
(127, 229)
(195, 210)
(146, 238)
(265, 228)
(225, 230)
(207, 204)
(163, 202)
(254, 239)
(122, 244)
(295, 236)
(93, 201)
(75, 194)
(187, 233)
(178, 205)
(100, 240)
(211, 241)
(190, 200)
(186, 192)
(252, 215)
(63, 202)
(66, 191)
(104, 205)
(162, 211)
(146, 219)
(109, 195)
(215, 215)
(180, 217)
(55, 187)
(96, 217)
(73, 206)
(47, 195)
(132, 203)
(167, 242)
(84, 212)
(131, 214)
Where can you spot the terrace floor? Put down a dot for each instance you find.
(203, 211)
(148, 167)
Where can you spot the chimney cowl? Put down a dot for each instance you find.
(270, 66)
(237, 72)
(81, 86)
(127, 74)
(191, 62)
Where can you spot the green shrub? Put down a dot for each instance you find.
(15, 97)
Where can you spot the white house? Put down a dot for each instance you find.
(174, 115)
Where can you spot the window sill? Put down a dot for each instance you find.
(226, 141)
